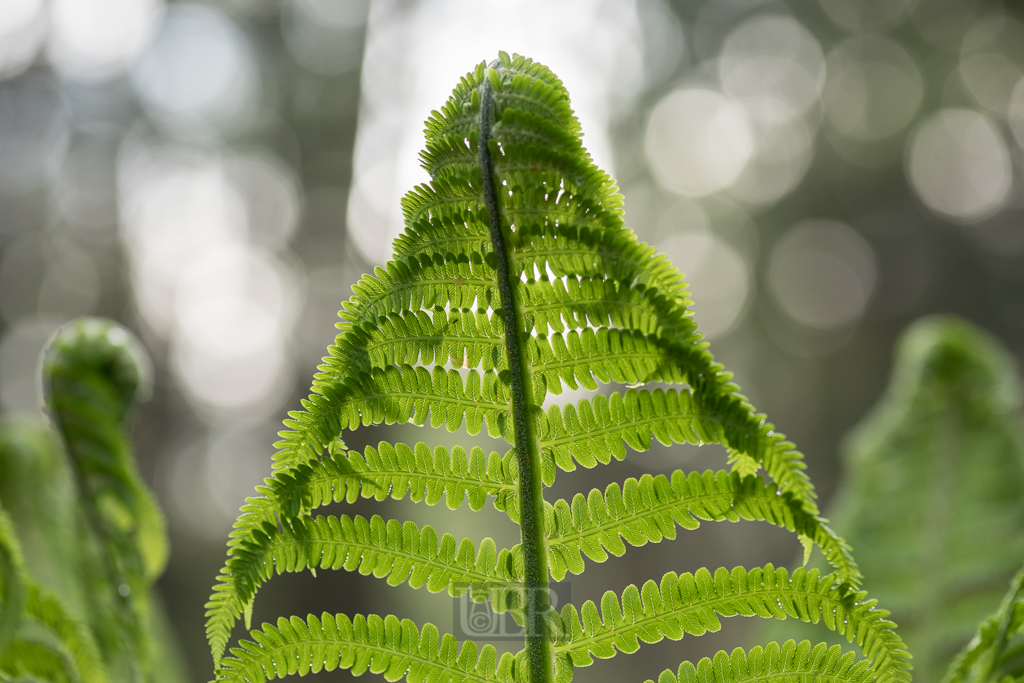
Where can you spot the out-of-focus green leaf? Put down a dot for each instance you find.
(933, 497)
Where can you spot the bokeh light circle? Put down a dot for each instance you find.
(959, 165)
(775, 57)
(199, 70)
(822, 274)
(992, 61)
(22, 30)
(874, 88)
(698, 141)
(96, 39)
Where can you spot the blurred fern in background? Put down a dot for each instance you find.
(83, 541)
(933, 497)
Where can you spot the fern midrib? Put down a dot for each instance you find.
(536, 576)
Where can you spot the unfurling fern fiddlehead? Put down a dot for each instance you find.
(93, 536)
(514, 279)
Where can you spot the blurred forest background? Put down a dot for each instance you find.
(216, 175)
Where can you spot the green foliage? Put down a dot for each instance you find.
(514, 280)
(92, 535)
(996, 653)
(933, 497)
(773, 663)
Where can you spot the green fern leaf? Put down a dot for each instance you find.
(568, 221)
(12, 581)
(516, 279)
(995, 652)
(32, 660)
(65, 635)
(94, 371)
(692, 603)
(37, 490)
(648, 510)
(394, 648)
(386, 471)
(791, 662)
(390, 550)
(38, 638)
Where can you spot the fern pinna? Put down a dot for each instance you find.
(515, 279)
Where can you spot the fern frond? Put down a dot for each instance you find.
(71, 636)
(648, 510)
(516, 278)
(12, 581)
(389, 549)
(28, 613)
(94, 372)
(691, 604)
(790, 663)
(27, 659)
(994, 652)
(396, 649)
(568, 220)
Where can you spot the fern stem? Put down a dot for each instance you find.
(539, 647)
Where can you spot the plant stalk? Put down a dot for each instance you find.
(539, 646)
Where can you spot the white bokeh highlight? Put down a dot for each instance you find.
(698, 141)
(22, 31)
(96, 39)
(199, 72)
(874, 88)
(959, 165)
(207, 277)
(774, 68)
